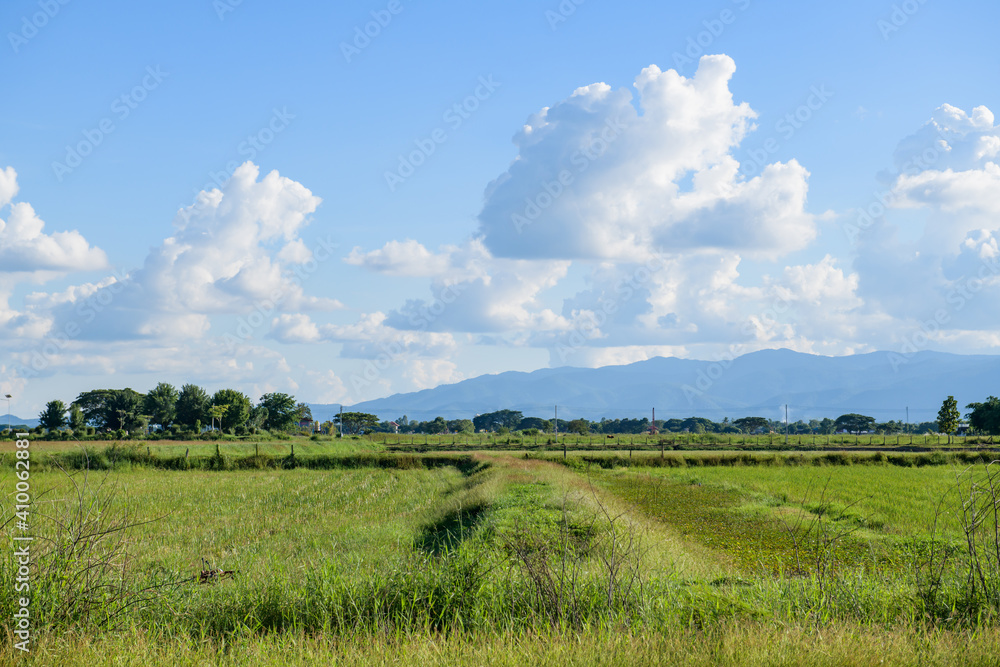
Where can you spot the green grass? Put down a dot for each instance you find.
(500, 559)
(887, 499)
(727, 644)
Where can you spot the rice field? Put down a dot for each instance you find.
(362, 556)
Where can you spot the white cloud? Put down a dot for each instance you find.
(297, 328)
(595, 179)
(8, 186)
(406, 258)
(25, 248)
(425, 374)
(233, 251)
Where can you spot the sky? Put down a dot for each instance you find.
(344, 201)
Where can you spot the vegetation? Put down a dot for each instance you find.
(346, 555)
(620, 546)
(854, 423)
(985, 417)
(355, 422)
(54, 415)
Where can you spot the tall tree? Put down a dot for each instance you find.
(281, 411)
(258, 416)
(357, 422)
(192, 406)
(161, 404)
(985, 417)
(460, 426)
(112, 409)
(854, 423)
(493, 421)
(948, 416)
(439, 425)
(752, 424)
(76, 419)
(53, 417)
(237, 405)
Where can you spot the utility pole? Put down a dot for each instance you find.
(341, 434)
(907, 419)
(8, 397)
(786, 424)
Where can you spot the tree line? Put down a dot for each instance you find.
(191, 409)
(514, 421)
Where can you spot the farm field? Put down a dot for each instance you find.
(359, 556)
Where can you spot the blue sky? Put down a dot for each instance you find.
(710, 207)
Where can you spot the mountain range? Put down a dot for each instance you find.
(884, 385)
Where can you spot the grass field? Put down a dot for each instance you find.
(347, 553)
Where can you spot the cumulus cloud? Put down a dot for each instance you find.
(368, 338)
(431, 373)
(401, 258)
(596, 179)
(25, 248)
(232, 251)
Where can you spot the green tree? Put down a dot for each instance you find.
(985, 417)
(356, 422)
(543, 425)
(303, 411)
(579, 426)
(752, 424)
(948, 416)
(258, 416)
(192, 406)
(461, 426)
(112, 409)
(161, 404)
(237, 405)
(53, 417)
(854, 423)
(493, 421)
(76, 420)
(216, 413)
(282, 412)
(439, 425)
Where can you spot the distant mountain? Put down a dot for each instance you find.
(17, 421)
(879, 384)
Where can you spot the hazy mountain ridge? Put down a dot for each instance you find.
(880, 384)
